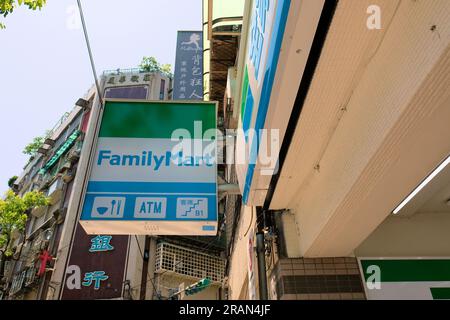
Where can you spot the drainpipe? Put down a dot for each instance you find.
(145, 266)
(262, 276)
(151, 270)
(261, 253)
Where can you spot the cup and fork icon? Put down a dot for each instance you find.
(108, 207)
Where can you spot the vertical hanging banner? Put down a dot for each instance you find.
(188, 74)
(154, 170)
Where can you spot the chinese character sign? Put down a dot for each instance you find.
(94, 278)
(101, 243)
(188, 77)
(96, 267)
(258, 29)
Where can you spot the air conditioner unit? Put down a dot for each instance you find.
(39, 211)
(60, 215)
(42, 150)
(73, 155)
(65, 167)
(68, 176)
(49, 142)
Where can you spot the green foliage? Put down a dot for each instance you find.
(167, 69)
(13, 213)
(31, 148)
(8, 6)
(150, 64)
(11, 181)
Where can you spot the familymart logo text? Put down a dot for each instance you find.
(152, 160)
(202, 149)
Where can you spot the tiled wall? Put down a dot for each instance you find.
(318, 279)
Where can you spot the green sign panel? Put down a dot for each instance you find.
(154, 170)
(408, 279)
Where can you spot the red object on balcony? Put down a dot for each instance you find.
(44, 257)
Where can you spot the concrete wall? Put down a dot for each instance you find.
(374, 123)
(238, 271)
(135, 263)
(291, 234)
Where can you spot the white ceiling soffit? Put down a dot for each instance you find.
(374, 122)
(298, 38)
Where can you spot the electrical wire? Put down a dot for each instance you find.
(91, 58)
(251, 222)
(148, 275)
(271, 257)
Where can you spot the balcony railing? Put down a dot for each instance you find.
(123, 71)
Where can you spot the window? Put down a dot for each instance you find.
(162, 89)
(130, 92)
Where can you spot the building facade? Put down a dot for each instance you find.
(50, 171)
(359, 188)
(129, 267)
(336, 177)
(82, 266)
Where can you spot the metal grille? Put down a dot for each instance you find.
(30, 276)
(17, 283)
(186, 262)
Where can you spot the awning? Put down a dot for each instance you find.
(61, 151)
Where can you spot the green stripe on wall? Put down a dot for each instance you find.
(244, 92)
(440, 293)
(154, 119)
(410, 270)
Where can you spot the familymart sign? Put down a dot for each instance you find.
(406, 279)
(154, 170)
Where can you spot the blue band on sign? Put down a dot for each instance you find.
(145, 207)
(273, 55)
(151, 187)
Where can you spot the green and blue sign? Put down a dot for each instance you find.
(406, 278)
(154, 170)
(268, 22)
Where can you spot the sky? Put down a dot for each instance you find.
(44, 64)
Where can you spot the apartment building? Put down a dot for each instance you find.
(51, 170)
(129, 266)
